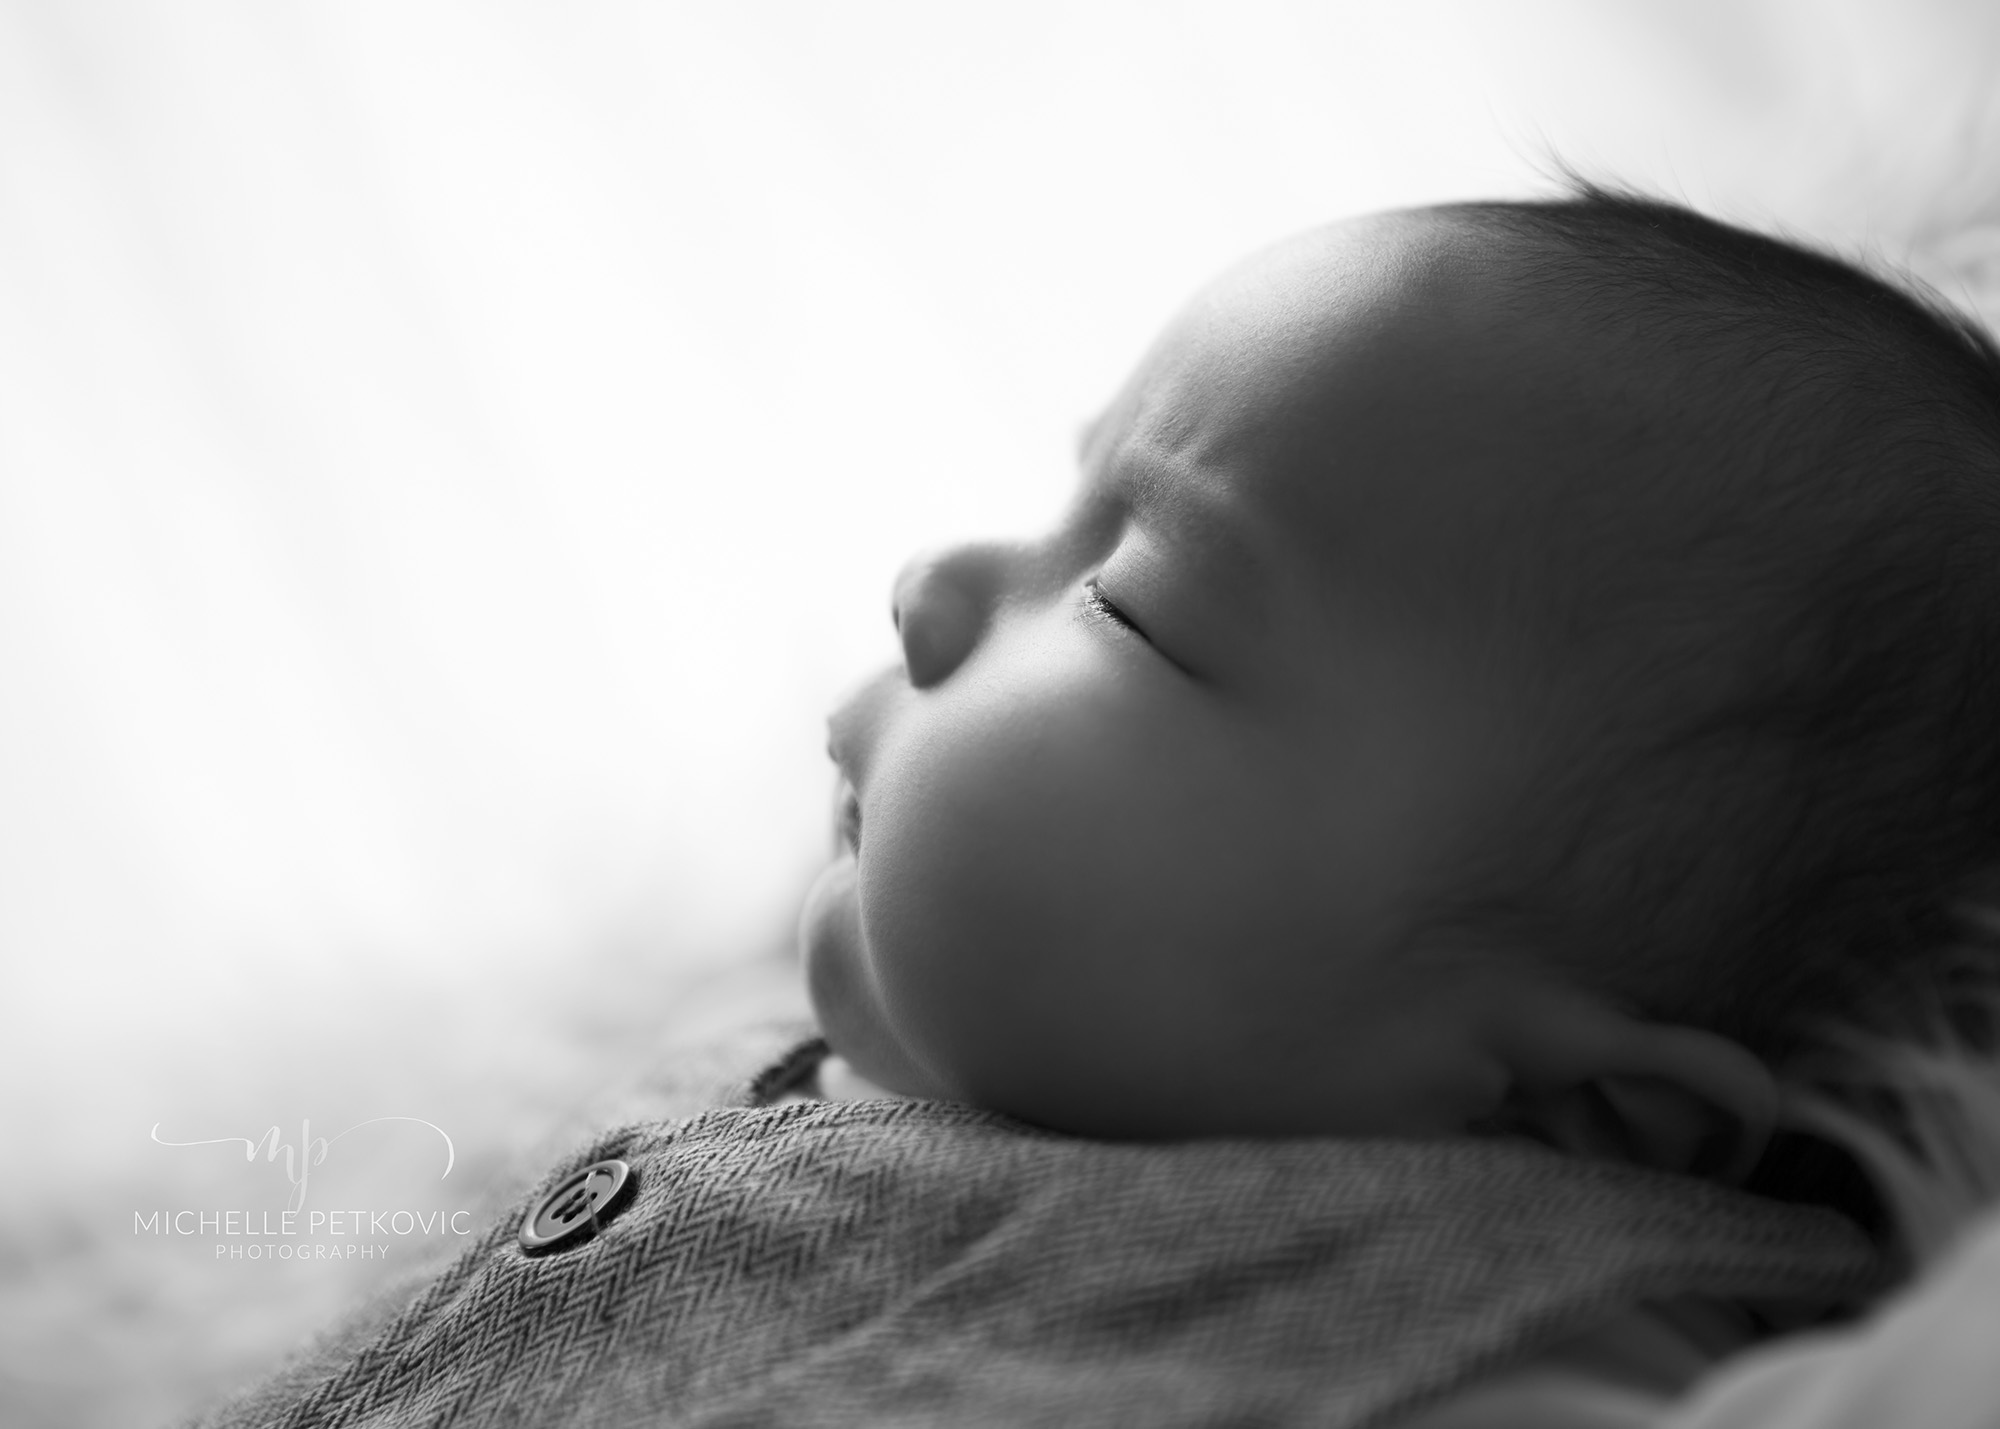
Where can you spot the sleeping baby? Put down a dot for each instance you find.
(1500, 655)
(1321, 933)
(1509, 668)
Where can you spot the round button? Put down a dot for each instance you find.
(573, 1211)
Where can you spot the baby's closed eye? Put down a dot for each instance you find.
(1101, 605)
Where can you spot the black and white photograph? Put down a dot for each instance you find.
(1156, 714)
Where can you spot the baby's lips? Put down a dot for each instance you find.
(848, 830)
(846, 817)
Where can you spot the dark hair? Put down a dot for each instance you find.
(1782, 841)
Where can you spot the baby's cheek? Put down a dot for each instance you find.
(1013, 988)
(927, 950)
(962, 923)
(1031, 852)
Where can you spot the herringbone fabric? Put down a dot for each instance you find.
(917, 1263)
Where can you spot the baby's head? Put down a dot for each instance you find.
(1498, 653)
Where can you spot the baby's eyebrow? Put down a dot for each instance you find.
(1201, 531)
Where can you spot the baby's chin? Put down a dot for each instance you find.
(841, 988)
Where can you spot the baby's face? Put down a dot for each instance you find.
(1150, 813)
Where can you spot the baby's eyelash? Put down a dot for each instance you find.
(1095, 601)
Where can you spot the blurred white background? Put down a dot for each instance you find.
(452, 453)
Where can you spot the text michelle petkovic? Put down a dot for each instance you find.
(278, 1235)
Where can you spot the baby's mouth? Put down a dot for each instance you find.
(847, 820)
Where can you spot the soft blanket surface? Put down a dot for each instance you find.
(913, 1263)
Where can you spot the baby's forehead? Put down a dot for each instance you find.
(1428, 314)
(1416, 429)
(1393, 385)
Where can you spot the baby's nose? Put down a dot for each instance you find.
(940, 607)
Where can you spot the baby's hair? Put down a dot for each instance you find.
(1795, 663)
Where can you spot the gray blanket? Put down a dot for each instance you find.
(918, 1263)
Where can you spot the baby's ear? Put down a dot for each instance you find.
(1600, 1082)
